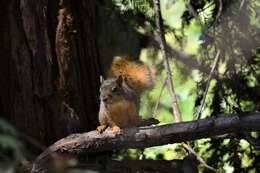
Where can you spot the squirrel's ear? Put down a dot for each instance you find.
(119, 80)
(101, 79)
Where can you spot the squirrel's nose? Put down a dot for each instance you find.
(105, 99)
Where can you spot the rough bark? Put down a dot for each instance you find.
(92, 142)
(44, 94)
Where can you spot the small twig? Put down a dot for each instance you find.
(159, 23)
(190, 61)
(244, 135)
(158, 100)
(194, 13)
(208, 83)
(242, 4)
(219, 9)
(169, 81)
(200, 159)
(142, 156)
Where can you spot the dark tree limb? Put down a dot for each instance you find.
(92, 142)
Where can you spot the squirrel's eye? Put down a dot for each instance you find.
(114, 89)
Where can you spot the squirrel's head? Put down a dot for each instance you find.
(111, 89)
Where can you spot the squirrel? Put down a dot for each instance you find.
(120, 95)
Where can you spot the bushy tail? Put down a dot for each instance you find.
(137, 75)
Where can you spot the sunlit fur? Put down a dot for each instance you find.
(138, 76)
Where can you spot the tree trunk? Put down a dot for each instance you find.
(49, 70)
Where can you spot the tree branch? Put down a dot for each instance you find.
(189, 60)
(216, 59)
(158, 100)
(169, 81)
(187, 147)
(92, 142)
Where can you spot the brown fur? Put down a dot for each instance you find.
(120, 94)
(138, 76)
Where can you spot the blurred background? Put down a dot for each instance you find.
(33, 95)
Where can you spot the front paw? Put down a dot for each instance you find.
(101, 128)
(116, 130)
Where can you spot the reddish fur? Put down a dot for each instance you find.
(140, 76)
(123, 112)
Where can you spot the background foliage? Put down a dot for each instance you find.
(198, 28)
